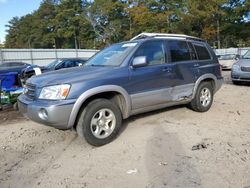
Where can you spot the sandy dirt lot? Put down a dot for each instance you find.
(153, 150)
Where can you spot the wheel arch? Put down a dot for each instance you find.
(113, 92)
(205, 78)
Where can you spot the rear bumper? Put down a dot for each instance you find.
(219, 83)
(52, 113)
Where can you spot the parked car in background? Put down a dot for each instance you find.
(150, 72)
(241, 69)
(226, 61)
(14, 67)
(54, 65)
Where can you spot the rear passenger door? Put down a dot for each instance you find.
(184, 59)
(204, 59)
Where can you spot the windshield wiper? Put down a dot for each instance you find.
(96, 65)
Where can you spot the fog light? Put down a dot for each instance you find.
(43, 114)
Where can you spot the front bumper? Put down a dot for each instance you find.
(52, 113)
(240, 76)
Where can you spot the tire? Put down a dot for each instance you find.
(203, 97)
(236, 82)
(15, 106)
(99, 122)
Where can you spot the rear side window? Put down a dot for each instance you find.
(179, 50)
(202, 52)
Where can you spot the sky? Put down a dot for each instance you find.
(12, 8)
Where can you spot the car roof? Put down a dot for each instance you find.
(165, 35)
(14, 62)
(63, 59)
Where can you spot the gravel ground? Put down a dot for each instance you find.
(174, 147)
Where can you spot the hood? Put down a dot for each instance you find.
(244, 62)
(70, 75)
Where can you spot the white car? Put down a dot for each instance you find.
(227, 60)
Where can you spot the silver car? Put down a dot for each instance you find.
(241, 69)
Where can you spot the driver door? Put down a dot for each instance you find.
(151, 84)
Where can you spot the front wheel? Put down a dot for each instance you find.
(203, 98)
(100, 122)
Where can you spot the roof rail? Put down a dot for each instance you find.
(165, 35)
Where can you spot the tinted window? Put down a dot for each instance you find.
(154, 52)
(178, 50)
(202, 52)
(68, 64)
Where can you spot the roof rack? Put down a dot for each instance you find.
(165, 35)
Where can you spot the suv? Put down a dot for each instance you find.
(150, 72)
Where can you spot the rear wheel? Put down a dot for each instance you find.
(100, 122)
(203, 98)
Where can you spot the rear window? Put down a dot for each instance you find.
(179, 50)
(202, 52)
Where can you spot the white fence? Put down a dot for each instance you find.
(42, 56)
(240, 51)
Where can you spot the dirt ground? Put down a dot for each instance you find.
(174, 147)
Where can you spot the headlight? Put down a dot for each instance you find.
(56, 92)
(236, 67)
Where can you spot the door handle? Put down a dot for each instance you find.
(196, 65)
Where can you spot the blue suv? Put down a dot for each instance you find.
(149, 72)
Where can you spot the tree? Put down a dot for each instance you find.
(95, 24)
(109, 20)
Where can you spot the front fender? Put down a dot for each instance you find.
(91, 92)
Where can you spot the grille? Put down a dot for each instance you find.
(245, 69)
(30, 90)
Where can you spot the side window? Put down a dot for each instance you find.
(154, 52)
(202, 52)
(179, 50)
(192, 51)
(79, 63)
(68, 64)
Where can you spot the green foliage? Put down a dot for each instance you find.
(96, 24)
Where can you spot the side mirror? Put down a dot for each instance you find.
(237, 57)
(139, 61)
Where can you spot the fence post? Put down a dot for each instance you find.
(56, 54)
(31, 56)
(1, 55)
(76, 53)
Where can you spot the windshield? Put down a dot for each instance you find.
(53, 64)
(247, 55)
(112, 56)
